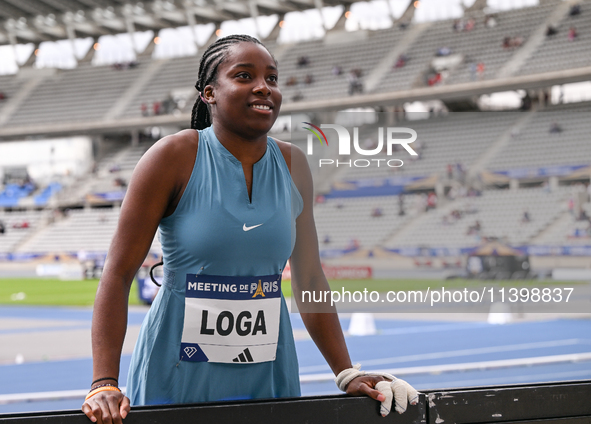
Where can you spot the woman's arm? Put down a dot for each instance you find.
(154, 190)
(321, 320)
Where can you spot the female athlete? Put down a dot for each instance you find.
(232, 206)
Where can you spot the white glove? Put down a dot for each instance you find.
(401, 391)
(396, 389)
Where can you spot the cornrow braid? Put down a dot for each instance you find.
(215, 54)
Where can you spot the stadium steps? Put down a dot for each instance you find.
(538, 38)
(546, 235)
(505, 138)
(134, 89)
(20, 97)
(41, 224)
(386, 65)
(420, 217)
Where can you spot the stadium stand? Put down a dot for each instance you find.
(90, 230)
(440, 143)
(64, 95)
(363, 222)
(491, 149)
(499, 213)
(18, 227)
(536, 145)
(558, 52)
(82, 94)
(471, 47)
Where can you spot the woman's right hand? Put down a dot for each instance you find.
(107, 407)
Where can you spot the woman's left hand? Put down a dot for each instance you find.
(384, 391)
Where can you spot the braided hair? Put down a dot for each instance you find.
(215, 54)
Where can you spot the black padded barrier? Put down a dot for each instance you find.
(339, 409)
(552, 403)
(565, 402)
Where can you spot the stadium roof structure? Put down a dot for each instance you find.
(34, 21)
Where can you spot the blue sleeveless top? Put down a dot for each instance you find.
(205, 235)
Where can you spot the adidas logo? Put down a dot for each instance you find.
(245, 356)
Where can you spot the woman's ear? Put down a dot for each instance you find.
(208, 94)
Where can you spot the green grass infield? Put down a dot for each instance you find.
(55, 292)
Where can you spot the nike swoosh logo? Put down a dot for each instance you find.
(245, 228)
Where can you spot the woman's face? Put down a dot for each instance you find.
(246, 97)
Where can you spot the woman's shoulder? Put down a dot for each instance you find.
(291, 153)
(180, 144)
(171, 158)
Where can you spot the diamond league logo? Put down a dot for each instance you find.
(190, 351)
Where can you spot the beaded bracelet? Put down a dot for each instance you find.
(102, 389)
(104, 378)
(103, 385)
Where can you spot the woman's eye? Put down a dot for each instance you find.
(274, 78)
(243, 75)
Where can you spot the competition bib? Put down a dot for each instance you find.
(231, 319)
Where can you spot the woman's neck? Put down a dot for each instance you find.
(246, 150)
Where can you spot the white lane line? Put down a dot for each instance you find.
(431, 369)
(37, 396)
(432, 328)
(460, 352)
(315, 378)
(582, 375)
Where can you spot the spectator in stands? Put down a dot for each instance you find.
(2, 227)
(431, 201)
(353, 244)
(291, 81)
(525, 218)
(434, 78)
(144, 109)
(473, 71)
(326, 239)
(450, 171)
(303, 61)
(298, 95)
(22, 225)
(120, 182)
(337, 70)
(572, 33)
(570, 204)
(555, 128)
(401, 211)
(474, 229)
(401, 61)
(377, 212)
(490, 21)
(575, 10)
(197, 176)
(526, 101)
(480, 69)
(551, 30)
(443, 51)
(309, 79)
(2, 95)
(157, 107)
(355, 84)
